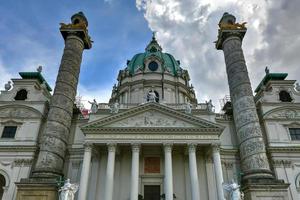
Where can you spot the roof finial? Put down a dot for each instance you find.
(154, 35)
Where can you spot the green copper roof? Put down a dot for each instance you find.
(35, 75)
(153, 49)
(271, 76)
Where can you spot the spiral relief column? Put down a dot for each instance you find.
(55, 136)
(254, 161)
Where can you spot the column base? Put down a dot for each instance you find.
(265, 189)
(37, 189)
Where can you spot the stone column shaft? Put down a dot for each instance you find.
(110, 172)
(193, 172)
(168, 172)
(85, 172)
(134, 192)
(54, 137)
(254, 161)
(218, 171)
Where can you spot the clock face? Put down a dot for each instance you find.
(153, 66)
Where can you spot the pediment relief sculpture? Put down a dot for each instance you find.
(283, 113)
(150, 119)
(19, 112)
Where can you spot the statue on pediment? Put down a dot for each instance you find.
(210, 106)
(151, 96)
(94, 106)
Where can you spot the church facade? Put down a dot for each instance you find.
(153, 140)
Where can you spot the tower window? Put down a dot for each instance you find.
(9, 132)
(284, 96)
(21, 95)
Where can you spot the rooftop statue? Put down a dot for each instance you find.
(94, 106)
(7, 86)
(151, 96)
(210, 106)
(68, 190)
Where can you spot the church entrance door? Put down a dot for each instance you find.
(151, 192)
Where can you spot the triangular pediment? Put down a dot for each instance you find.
(151, 115)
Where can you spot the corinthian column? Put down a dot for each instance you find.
(218, 170)
(134, 191)
(109, 182)
(254, 161)
(55, 136)
(193, 172)
(168, 172)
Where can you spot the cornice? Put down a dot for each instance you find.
(294, 149)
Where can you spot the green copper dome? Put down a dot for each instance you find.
(154, 52)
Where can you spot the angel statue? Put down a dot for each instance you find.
(67, 191)
(234, 191)
(151, 96)
(94, 106)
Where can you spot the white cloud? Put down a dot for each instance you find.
(188, 28)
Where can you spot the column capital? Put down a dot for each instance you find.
(135, 147)
(215, 148)
(112, 147)
(78, 27)
(228, 27)
(88, 146)
(192, 147)
(168, 147)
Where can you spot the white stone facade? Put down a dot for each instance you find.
(115, 156)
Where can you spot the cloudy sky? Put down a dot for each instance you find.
(120, 29)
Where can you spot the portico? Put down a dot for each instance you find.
(160, 158)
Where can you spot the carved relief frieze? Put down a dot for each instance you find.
(151, 119)
(19, 112)
(251, 146)
(23, 162)
(228, 165)
(248, 131)
(256, 161)
(282, 163)
(288, 113)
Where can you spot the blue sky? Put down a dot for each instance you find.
(121, 28)
(30, 37)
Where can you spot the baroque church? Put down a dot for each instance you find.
(153, 140)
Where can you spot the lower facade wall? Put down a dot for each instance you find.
(122, 174)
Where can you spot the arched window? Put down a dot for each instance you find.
(284, 96)
(21, 95)
(2, 185)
